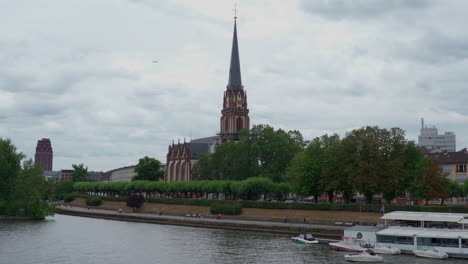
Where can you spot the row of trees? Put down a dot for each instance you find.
(370, 161)
(23, 190)
(249, 189)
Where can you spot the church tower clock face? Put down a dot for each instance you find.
(235, 114)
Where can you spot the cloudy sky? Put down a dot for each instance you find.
(80, 72)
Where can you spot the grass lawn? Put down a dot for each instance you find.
(332, 216)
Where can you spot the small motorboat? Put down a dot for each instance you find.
(305, 238)
(387, 250)
(431, 253)
(348, 244)
(365, 256)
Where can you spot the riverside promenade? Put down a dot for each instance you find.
(326, 232)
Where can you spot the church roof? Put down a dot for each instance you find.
(205, 140)
(235, 81)
(201, 145)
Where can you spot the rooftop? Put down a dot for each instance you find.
(425, 216)
(450, 157)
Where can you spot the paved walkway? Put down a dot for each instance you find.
(293, 227)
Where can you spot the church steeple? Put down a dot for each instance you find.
(235, 80)
(235, 114)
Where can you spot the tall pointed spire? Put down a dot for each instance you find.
(235, 81)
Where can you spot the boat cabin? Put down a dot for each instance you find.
(421, 230)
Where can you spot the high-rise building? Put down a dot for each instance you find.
(433, 142)
(44, 154)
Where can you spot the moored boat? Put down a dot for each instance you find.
(348, 244)
(305, 238)
(365, 256)
(387, 250)
(432, 253)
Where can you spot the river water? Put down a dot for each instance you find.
(79, 240)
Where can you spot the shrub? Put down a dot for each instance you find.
(94, 201)
(68, 197)
(227, 208)
(135, 200)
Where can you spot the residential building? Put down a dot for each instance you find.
(44, 155)
(66, 174)
(52, 175)
(432, 141)
(453, 163)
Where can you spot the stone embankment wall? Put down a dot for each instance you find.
(332, 232)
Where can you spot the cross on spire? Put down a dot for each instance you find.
(235, 10)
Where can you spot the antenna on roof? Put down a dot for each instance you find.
(422, 122)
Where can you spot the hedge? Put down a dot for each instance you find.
(68, 197)
(227, 208)
(94, 201)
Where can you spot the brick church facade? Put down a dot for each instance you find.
(182, 157)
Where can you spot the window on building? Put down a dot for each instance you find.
(461, 178)
(461, 167)
(447, 168)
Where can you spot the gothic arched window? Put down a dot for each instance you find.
(226, 124)
(183, 174)
(239, 124)
(171, 173)
(177, 176)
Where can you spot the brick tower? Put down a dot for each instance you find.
(44, 154)
(235, 114)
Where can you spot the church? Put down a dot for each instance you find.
(182, 157)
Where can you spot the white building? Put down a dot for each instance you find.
(431, 140)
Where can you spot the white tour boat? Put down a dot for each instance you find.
(387, 250)
(365, 256)
(432, 253)
(305, 238)
(418, 231)
(348, 244)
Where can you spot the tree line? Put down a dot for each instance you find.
(372, 161)
(249, 189)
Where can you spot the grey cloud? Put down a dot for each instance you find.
(436, 47)
(360, 9)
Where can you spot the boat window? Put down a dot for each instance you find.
(439, 242)
(464, 243)
(395, 239)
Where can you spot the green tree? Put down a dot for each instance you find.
(306, 170)
(148, 169)
(63, 188)
(375, 156)
(27, 197)
(413, 165)
(10, 167)
(432, 182)
(80, 173)
(334, 178)
(455, 190)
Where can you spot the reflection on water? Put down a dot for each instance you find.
(68, 239)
